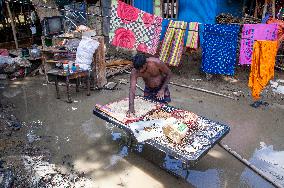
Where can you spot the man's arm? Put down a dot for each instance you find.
(167, 73)
(132, 89)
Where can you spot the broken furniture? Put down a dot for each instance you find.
(156, 149)
(50, 60)
(67, 76)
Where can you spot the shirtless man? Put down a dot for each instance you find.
(156, 76)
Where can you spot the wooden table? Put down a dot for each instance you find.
(69, 76)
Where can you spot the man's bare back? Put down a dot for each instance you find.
(156, 76)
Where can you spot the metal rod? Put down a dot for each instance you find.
(203, 90)
(249, 165)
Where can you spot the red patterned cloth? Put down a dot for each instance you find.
(134, 29)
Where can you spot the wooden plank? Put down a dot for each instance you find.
(118, 62)
(13, 25)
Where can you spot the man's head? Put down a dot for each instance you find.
(139, 61)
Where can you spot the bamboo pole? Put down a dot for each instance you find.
(13, 25)
(203, 90)
(250, 165)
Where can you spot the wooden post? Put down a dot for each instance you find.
(168, 8)
(177, 7)
(244, 7)
(100, 65)
(256, 9)
(13, 25)
(273, 8)
(172, 9)
(264, 9)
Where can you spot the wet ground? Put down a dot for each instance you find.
(77, 141)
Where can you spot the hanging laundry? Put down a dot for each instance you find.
(173, 43)
(219, 48)
(192, 38)
(262, 67)
(134, 29)
(252, 32)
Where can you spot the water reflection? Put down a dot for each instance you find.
(209, 178)
(268, 160)
(118, 157)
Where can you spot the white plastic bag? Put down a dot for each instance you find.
(85, 51)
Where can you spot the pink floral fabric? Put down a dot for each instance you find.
(134, 29)
(251, 33)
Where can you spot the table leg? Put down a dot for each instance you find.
(77, 85)
(68, 90)
(88, 85)
(57, 88)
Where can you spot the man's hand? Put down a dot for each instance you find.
(161, 94)
(130, 113)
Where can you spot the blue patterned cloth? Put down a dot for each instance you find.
(219, 48)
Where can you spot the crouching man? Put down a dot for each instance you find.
(156, 76)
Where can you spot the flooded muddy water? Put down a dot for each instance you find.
(98, 150)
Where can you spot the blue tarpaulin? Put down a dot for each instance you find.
(145, 5)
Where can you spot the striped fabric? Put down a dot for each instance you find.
(192, 39)
(173, 43)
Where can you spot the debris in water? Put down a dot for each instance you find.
(73, 108)
(258, 104)
(110, 85)
(16, 126)
(123, 81)
(279, 89)
(44, 174)
(6, 178)
(116, 136)
(32, 137)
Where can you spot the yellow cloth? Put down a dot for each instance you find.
(262, 67)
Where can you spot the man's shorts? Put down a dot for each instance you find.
(151, 94)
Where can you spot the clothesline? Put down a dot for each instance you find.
(91, 14)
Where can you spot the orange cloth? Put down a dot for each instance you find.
(262, 67)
